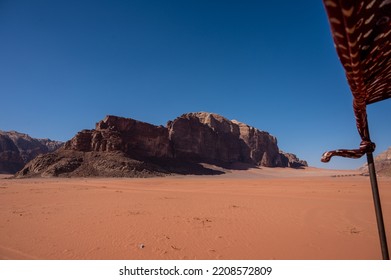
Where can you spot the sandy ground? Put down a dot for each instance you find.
(254, 214)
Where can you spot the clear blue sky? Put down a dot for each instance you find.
(64, 65)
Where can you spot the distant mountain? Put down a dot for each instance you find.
(16, 149)
(382, 163)
(123, 147)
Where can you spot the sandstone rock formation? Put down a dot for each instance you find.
(212, 138)
(382, 164)
(291, 160)
(126, 147)
(136, 139)
(16, 149)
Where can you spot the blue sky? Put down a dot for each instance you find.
(64, 65)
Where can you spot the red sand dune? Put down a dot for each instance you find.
(268, 213)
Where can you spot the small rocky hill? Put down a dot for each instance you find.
(16, 149)
(123, 147)
(382, 164)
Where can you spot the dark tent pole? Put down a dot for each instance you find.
(376, 199)
(378, 209)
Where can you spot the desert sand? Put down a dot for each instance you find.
(268, 213)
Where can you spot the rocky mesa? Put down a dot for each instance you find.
(16, 149)
(124, 147)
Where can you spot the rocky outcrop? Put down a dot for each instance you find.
(134, 138)
(212, 138)
(16, 149)
(382, 164)
(179, 147)
(291, 160)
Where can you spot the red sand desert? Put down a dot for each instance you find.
(268, 213)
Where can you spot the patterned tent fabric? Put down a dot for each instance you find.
(361, 32)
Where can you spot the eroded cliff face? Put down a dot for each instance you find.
(213, 138)
(16, 149)
(260, 146)
(178, 147)
(134, 138)
(204, 137)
